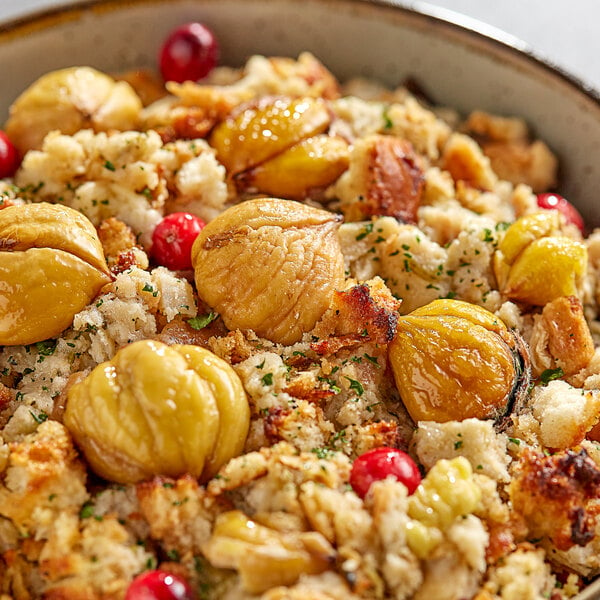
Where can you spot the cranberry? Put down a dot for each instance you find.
(173, 239)
(562, 205)
(159, 585)
(190, 52)
(380, 463)
(9, 157)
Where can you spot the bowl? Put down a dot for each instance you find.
(460, 63)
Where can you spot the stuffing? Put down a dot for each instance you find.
(522, 575)
(384, 178)
(421, 127)
(90, 557)
(465, 161)
(469, 264)
(357, 118)
(556, 495)
(412, 266)
(561, 338)
(400, 567)
(506, 142)
(565, 413)
(179, 514)
(129, 175)
(120, 246)
(43, 479)
(476, 440)
(499, 510)
(533, 164)
(462, 561)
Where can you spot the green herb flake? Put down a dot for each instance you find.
(515, 441)
(550, 375)
(149, 288)
(458, 444)
(356, 386)
(40, 417)
(108, 165)
(202, 321)
(323, 453)
(173, 555)
(87, 511)
(387, 121)
(367, 229)
(46, 348)
(372, 359)
(488, 237)
(267, 379)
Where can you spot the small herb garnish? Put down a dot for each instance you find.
(550, 375)
(87, 510)
(40, 417)
(367, 229)
(267, 379)
(356, 386)
(46, 348)
(108, 165)
(202, 321)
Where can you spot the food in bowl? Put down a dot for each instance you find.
(329, 341)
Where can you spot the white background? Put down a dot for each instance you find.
(566, 32)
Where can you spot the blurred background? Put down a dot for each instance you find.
(565, 33)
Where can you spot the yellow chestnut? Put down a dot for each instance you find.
(158, 410)
(68, 100)
(453, 360)
(265, 558)
(269, 265)
(312, 164)
(259, 132)
(51, 266)
(535, 263)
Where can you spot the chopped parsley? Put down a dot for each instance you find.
(550, 375)
(40, 417)
(46, 348)
(108, 165)
(267, 379)
(148, 288)
(367, 229)
(323, 453)
(202, 321)
(173, 555)
(87, 511)
(356, 386)
(387, 122)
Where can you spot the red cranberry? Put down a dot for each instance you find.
(9, 157)
(159, 585)
(380, 463)
(562, 205)
(173, 239)
(189, 53)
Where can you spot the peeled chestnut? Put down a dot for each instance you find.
(158, 410)
(68, 100)
(269, 265)
(51, 266)
(452, 361)
(535, 263)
